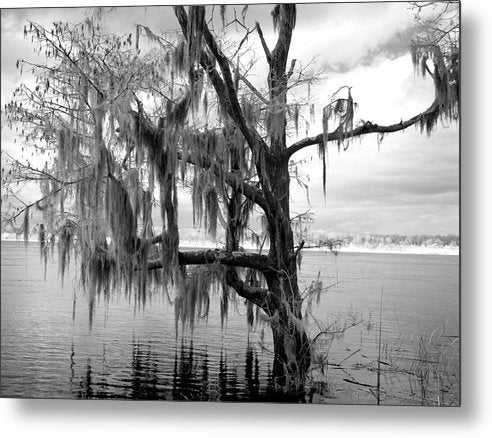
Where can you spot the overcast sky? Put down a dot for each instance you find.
(409, 184)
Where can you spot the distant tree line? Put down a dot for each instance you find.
(324, 238)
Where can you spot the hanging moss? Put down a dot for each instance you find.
(41, 236)
(250, 316)
(65, 242)
(296, 118)
(284, 13)
(205, 104)
(224, 302)
(43, 247)
(445, 74)
(176, 114)
(196, 24)
(25, 225)
(211, 212)
(193, 301)
(322, 149)
(121, 217)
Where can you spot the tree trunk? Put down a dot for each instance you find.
(291, 361)
(291, 344)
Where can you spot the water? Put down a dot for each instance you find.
(48, 350)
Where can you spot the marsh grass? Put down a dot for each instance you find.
(421, 370)
(436, 370)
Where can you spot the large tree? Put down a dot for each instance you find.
(123, 120)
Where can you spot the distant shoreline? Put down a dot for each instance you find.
(408, 250)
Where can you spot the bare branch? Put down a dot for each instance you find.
(32, 204)
(243, 40)
(253, 89)
(263, 43)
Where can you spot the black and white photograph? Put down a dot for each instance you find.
(232, 203)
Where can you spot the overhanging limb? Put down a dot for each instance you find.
(366, 128)
(228, 258)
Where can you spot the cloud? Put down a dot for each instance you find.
(397, 45)
(345, 35)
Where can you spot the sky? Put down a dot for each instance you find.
(407, 184)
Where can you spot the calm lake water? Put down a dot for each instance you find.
(48, 350)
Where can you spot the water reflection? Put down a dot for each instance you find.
(252, 372)
(192, 375)
(144, 380)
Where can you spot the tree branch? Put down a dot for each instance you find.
(222, 257)
(263, 43)
(61, 49)
(281, 50)
(366, 128)
(255, 294)
(16, 215)
(253, 89)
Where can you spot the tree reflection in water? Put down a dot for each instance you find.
(193, 375)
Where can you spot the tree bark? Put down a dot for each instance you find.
(292, 357)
